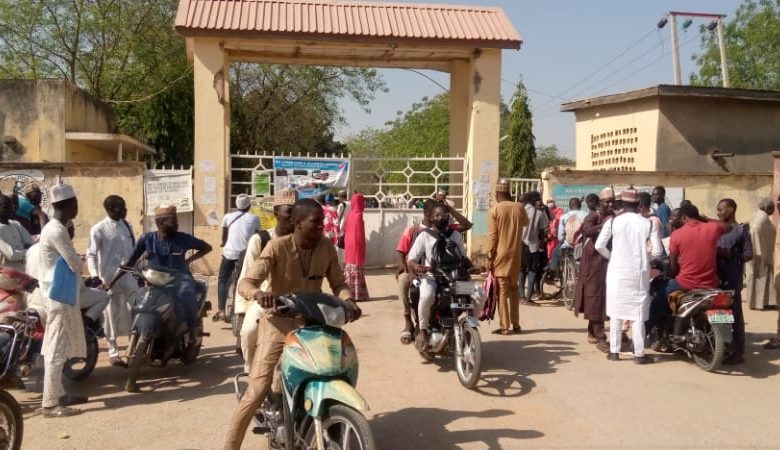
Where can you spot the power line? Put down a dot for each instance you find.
(602, 67)
(154, 94)
(533, 90)
(431, 79)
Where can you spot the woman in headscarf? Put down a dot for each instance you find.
(355, 248)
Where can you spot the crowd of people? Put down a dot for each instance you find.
(616, 243)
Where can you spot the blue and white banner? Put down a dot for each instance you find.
(310, 176)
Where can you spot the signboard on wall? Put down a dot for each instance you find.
(168, 187)
(261, 183)
(563, 192)
(310, 176)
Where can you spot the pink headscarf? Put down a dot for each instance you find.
(355, 232)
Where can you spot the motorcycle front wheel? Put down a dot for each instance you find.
(343, 428)
(136, 360)
(710, 359)
(77, 369)
(468, 358)
(11, 424)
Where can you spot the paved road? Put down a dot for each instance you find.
(544, 388)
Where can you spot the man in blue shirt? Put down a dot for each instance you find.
(167, 247)
(662, 210)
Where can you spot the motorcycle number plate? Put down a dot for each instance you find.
(465, 287)
(720, 316)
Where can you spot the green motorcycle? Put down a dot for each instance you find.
(319, 407)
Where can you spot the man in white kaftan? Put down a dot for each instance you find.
(628, 273)
(111, 242)
(64, 336)
(760, 270)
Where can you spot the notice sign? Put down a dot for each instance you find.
(168, 187)
(310, 176)
(261, 183)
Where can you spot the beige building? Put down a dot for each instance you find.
(54, 121)
(678, 129)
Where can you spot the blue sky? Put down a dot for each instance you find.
(564, 43)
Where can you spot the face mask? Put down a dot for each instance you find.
(442, 224)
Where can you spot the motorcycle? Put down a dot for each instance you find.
(319, 406)
(157, 334)
(14, 284)
(16, 341)
(700, 325)
(453, 324)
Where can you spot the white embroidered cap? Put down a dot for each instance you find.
(60, 192)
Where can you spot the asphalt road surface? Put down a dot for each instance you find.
(546, 387)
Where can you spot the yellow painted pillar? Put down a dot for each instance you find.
(212, 146)
(482, 144)
(460, 107)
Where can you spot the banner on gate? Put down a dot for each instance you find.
(168, 187)
(310, 176)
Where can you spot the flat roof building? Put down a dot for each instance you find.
(678, 129)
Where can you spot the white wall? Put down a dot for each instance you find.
(383, 229)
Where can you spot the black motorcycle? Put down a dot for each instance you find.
(77, 369)
(159, 331)
(453, 323)
(700, 323)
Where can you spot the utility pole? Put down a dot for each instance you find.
(717, 22)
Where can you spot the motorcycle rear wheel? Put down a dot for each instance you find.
(468, 359)
(77, 369)
(194, 344)
(11, 423)
(136, 360)
(344, 428)
(710, 360)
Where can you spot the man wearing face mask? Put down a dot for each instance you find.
(421, 259)
(167, 247)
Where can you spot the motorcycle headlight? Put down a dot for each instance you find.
(297, 355)
(156, 277)
(333, 315)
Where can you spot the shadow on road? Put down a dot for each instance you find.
(759, 362)
(415, 428)
(209, 375)
(507, 366)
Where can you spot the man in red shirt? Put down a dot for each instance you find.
(693, 252)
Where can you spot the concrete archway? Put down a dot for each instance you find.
(464, 41)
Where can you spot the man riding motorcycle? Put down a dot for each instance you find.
(423, 257)
(167, 247)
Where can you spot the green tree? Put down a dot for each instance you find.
(752, 49)
(517, 153)
(550, 156)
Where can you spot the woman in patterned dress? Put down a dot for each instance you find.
(355, 248)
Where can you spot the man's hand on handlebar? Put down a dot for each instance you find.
(357, 312)
(266, 300)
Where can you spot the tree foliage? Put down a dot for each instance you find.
(281, 108)
(517, 153)
(128, 54)
(550, 156)
(752, 48)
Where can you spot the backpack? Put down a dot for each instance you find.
(446, 254)
(573, 224)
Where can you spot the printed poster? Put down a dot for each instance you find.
(310, 176)
(168, 187)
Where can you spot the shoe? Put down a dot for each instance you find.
(734, 360)
(644, 359)
(217, 316)
(421, 342)
(116, 361)
(69, 400)
(528, 302)
(406, 337)
(613, 356)
(517, 329)
(592, 339)
(499, 331)
(158, 363)
(59, 411)
(505, 333)
(773, 344)
(602, 346)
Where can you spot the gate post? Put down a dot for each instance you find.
(484, 86)
(212, 146)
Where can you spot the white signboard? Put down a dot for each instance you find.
(168, 187)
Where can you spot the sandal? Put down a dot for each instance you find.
(527, 302)
(517, 329)
(773, 344)
(59, 411)
(217, 316)
(406, 337)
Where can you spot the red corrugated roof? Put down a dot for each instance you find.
(364, 21)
